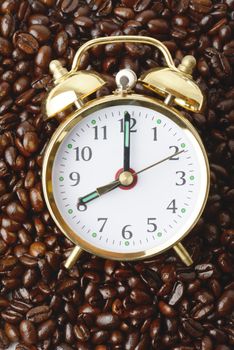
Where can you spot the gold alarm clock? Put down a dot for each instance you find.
(125, 176)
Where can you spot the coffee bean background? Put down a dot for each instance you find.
(101, 304)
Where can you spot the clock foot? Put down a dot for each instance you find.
(73, 257)
(183, 254)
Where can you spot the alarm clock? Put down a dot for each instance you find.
(125, 176)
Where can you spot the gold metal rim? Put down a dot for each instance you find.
(58, 137)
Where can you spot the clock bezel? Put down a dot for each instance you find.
(65, 127)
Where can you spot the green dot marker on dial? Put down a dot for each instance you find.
(93, 121)
(159, 234)
(126, 243)
(61, 178)
(69, 145)
(94, 234)
(183, 210)
(191, 177)
(183, 145)
(70, 211)
(159, 121)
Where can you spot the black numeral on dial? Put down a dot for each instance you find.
(126, 233)
(103, 223)
(176, 149)
(151, 223)
(132, 125)
(100, 132)
(182, 178)
(155, 129)
(84, 153)
(172, 206)
(75, 177)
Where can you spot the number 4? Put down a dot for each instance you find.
(172, 206)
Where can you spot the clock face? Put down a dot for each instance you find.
(162, 201)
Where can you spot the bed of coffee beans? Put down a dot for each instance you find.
(101, 304)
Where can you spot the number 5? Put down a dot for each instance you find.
(154, 226)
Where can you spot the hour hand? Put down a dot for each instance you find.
(97, 193)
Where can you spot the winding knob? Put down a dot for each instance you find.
(57, 69)
(187, 65)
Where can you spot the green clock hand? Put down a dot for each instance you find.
(127, 119)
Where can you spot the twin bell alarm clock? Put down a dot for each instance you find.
(125, 176)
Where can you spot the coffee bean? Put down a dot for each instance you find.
(81, 332)
(43, 57)
(12, 332)
(40, 32)
(28, 332)
(68, 6)
(46, 329)
(61, 43)
(5, 47)
(225, 303)
(16, 212)
(83, 22)
(140, 297)
(177, 293)
(131, 340)
(158, 26)
(39, 314)
(193, 328)
(166, 309)
(141, 312)
(27, 43)
(107, 321)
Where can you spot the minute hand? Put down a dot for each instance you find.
(160, 161)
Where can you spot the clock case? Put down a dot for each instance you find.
(73, 93)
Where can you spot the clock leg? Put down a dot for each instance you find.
(73, 257)
(183, 254)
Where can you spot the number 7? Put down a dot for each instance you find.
(104, 223)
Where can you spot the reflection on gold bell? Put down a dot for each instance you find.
(70, 88)
(177, 83)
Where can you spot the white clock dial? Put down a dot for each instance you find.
(166, 199)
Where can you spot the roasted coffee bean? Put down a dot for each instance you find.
(27, 43)
(81, 332)
(61, 43)
(5, 47)
(166, 309)
(193, 328)
(43, 57)
(28, 332)
(225, 303)
(141, 312)
(39, 314)
(46, 329)
(40, 32)
(12, 332)
(158, 26)
(140, 297)
(107, 321)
